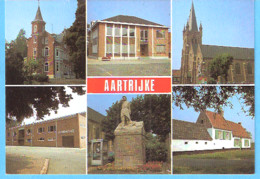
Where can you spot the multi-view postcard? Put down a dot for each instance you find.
(144, 87)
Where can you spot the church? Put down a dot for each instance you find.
(196, 58)
(48, 49)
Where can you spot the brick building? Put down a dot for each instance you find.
(127, 37)
(196, 57)
(49, 50)
(67, 131)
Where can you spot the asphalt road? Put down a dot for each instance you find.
(21, 159)
(129, 68)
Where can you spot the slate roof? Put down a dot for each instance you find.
(38, 16)
(131, 19)
(94, 115)
(211, 51)
(189, 131)
(192, 20)
(219, 122)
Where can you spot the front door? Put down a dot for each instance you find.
(57, 69)
(144, 50)
(67, 141)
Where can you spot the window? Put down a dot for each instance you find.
(34, 51)
(144, 35)
(34, 39)
(237, 142)
(57, 66)
(185, 143)
(132, 32)
(132, 49)
(41, 139)
(109, 30)
(249, 69)
(125, 31)
(160, 34)
(46, 67)
(51, 128)
(14, 134)
(109, 48)
(28, 131)
(160, 48)
(237, 68)
(201, 121)
(125, 48)
(46, 40)
(57, 52)
(52, 139)
(46, 51)
(40, 129)
(117, 48)
(246, 143)
(35, 28)
(117, 31)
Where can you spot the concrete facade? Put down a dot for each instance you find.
(68, 131)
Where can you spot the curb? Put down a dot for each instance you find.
(45, 167)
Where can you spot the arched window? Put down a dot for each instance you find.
(46, 51)
(35, 28)
(46, 67)
(237, 68)
(249, 68)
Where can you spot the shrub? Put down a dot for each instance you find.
(41, 78)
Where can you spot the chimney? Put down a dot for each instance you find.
(239, 123)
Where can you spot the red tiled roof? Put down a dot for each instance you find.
(176, 73)
(219, 122)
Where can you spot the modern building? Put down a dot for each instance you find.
(128, 37)
(196, 57)
(49, 50)
(67, 131)
(211, 131)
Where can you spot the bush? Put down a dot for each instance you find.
(155, 149)
(41, 78)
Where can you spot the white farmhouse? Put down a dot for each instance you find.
(211, 131)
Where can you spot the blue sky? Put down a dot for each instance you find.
(224, 22)
(19, 14)
(235, 114)
(157, 11)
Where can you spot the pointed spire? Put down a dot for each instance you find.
(38, 16)
(192, 20)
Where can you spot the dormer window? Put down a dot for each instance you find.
(35, 28)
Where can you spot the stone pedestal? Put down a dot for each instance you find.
(129, 145)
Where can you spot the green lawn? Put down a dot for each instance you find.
(221, 162)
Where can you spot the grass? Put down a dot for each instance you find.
(235, 154)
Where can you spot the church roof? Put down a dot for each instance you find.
(189, 131)
(192, 20)
(211, 51)
(131, 19)
(38, 16)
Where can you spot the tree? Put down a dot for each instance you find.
(20, 43)
(153, 110)
(219, 66)
(23, 102)
(76, 41)
(201, 98)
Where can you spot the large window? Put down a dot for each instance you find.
(51, 128)
(222, 135)
(109, 30)
(109, 48)
(124, 32)
(237, 68)
(160, 34)
(125, 48)
(117, 31)
(144, 35)
(46, 51)
(132, 49)
(46, 67)
(132, 32)
(160, 48)
(40, 129)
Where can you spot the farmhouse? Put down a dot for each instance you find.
(127, 37)
(67, 131)
(210, 132)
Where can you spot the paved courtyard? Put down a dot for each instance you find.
(142, 67)
(29, 160)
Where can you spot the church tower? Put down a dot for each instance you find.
(192, 38)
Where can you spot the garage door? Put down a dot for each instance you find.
(68, 141)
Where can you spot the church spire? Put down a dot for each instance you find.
(38, 16)
(192, 20)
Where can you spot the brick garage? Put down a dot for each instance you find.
(68, 131)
